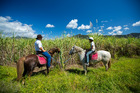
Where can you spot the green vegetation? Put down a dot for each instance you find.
(123, 77)
(12, 49)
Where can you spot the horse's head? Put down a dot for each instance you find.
(73, 50)
(57, 50)
(54, 50)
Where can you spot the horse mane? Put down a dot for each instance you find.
(78, 48)
(53, 50)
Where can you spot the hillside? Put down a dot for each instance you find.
(135, 35)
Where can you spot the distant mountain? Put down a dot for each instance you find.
(135, 35)
(18, 37)
(81, 36)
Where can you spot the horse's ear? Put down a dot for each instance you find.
(73, 46)
(57, 48)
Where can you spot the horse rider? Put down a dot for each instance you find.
(39, 50)
(92, 49)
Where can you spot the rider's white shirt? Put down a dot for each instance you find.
(38, 45)
(93, 44)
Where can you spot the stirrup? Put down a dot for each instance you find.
(87, 64)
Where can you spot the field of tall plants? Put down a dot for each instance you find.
(12, 49)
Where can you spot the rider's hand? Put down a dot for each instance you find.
(44, 50)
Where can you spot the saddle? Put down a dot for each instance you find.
(92, 56)
(42, 59)
(41, 55)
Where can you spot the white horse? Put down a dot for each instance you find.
(103, 56)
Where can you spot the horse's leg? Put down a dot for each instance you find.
(106, 65)
(30, 73)
(24, 73)
(32, 66)
(47, 70)
(109, 64)
(25, 70)
(85, 68)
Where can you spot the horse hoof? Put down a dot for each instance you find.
(23, 83)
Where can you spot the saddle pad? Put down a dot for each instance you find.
(94, 56)
(42, 60)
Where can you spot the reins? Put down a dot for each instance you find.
(63, 62)
(67, 60)
(55, 60)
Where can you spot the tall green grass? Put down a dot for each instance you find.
(122, 77)
(12, 49)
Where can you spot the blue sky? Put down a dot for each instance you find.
(52, 18)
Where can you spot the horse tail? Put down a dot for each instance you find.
(109, 64)
(20, 68)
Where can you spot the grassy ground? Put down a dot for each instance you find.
(123, 77)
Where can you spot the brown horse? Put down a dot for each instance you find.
(29, 62)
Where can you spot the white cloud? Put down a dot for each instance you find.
(83, 27)
(102, 26)
(49, 26)
(111, 32)
(104, 21)
(116, 30)
(119, 32)
(125, 25)
(126, 28)
(68, 35)
(110, 28)
(136, 24)
(72, 24)
(8, 28)
(89, 31)
(100, 30)
(5, 19)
